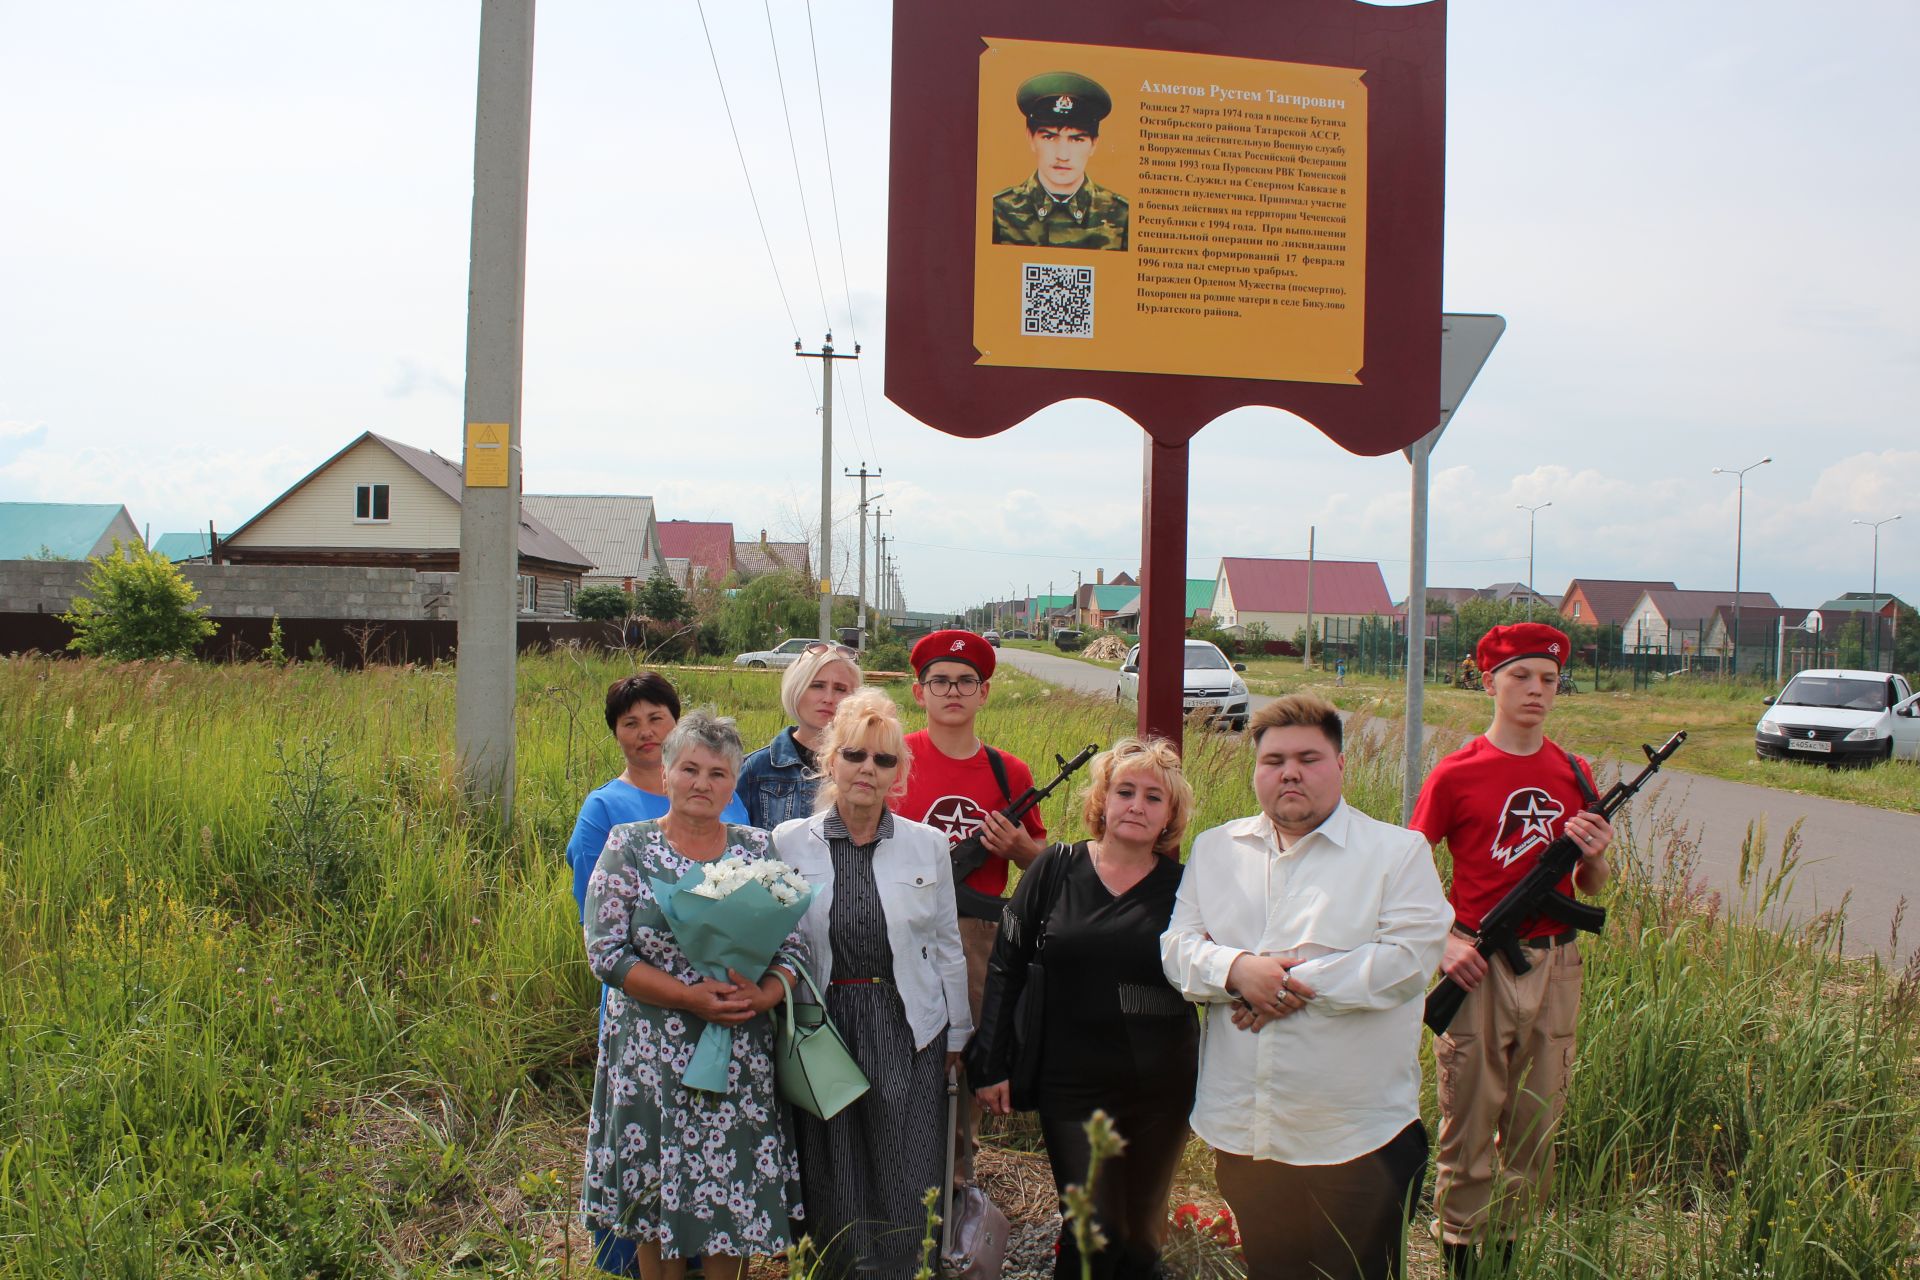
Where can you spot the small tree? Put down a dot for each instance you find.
(662, 600)
(601, 604)
(138, 606)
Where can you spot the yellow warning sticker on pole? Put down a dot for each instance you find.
(487, 455)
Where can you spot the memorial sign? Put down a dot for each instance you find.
(1177, 207)
(1223, 235)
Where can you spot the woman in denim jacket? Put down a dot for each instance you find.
(777, 782)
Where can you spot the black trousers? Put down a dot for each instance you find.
(1323, 1221)
(1129, 1192)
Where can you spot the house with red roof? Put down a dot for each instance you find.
(1275, 592)
(706, 545)
(1605, 602)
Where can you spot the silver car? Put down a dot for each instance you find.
(1210, 686)
(784, 654)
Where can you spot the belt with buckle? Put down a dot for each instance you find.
(1546, 942)
(861, 982)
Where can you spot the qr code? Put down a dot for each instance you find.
(1056, 302)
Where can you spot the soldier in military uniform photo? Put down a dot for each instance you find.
(1060, 207)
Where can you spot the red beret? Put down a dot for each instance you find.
(1522, 640)
(954, 646)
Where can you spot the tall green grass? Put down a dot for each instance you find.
(276, 1003)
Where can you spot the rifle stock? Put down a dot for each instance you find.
(970, 854)
(1537, 894)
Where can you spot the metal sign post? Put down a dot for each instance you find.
(1465, 343)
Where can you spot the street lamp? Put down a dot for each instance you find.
(1530, 514)
(1875, 589)
(1739, 528)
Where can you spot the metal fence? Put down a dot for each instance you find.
(1637, 658)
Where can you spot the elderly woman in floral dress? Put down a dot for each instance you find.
(674, 1172)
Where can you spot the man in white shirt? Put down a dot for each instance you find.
(1309, 931)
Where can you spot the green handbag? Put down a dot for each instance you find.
(811, 1063)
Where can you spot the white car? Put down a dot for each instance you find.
(1211, 685)
(784, 654)
(1835, 714)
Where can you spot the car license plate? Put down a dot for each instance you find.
(1809, 744)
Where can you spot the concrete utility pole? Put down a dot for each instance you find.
(1308, 664)
(1875, 589)
(1739, 533)
(490, 500)
(860, 552)
(826, 356)
(1531, 513)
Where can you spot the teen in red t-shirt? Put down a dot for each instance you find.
(952, 785)
(1503, 1063)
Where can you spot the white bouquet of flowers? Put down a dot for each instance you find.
(723, 878)
(730, 914)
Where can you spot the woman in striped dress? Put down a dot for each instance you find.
(884, 938)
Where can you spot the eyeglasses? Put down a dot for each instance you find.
(858, 755)
(940, 686)
(821, 646)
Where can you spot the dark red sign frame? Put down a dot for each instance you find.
(931, 361)
(930, 244)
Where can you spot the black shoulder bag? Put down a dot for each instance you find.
(1030, 1011)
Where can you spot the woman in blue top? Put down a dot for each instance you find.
(641, 711)
(778, 781)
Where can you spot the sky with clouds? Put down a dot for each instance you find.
(235, 235)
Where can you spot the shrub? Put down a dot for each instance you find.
(891, 655)
(602, 604)
(138, 606)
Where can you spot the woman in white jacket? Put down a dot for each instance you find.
(884, 940)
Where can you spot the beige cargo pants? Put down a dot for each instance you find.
(1503, 1068)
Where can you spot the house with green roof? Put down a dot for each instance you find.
(1199, 604)
(63, 530)
(183, 547)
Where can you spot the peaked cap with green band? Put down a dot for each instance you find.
(1063, 99)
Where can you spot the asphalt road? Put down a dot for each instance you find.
(1845, 849)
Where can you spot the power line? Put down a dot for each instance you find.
(744, 171)
(839, 239)
(806, 219)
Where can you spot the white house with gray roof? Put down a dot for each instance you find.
(379, 503)
(615, 531)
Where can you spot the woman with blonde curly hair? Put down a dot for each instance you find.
(884, 937)
(1114, 1035)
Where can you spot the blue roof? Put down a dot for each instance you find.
(62, 530)
(183, 546)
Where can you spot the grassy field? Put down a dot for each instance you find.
(276, 1004)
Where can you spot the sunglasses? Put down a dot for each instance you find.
(821, 646)
(858, 755)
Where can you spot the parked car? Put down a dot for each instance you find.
(784, 654)
(1835, 714)
(991, 637)
(1067, 639)
(1210, 686)
(1017, 634)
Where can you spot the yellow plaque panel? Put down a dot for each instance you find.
(1241, 185)
(487, 455)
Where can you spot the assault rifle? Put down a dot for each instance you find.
(1535, 895)
(970, 855)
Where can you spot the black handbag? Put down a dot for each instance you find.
(1030, 1011)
